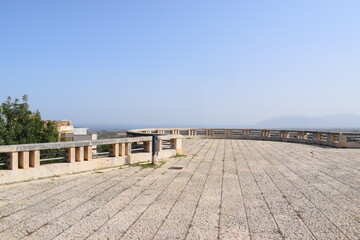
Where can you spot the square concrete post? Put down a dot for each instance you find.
(246, 133)
(122, 149)
(127, 149)
(88, 153)
(148, 146)
(115, 150)
(342, 140)
(79, 154)
(35, 158)
(13, 161)
(227, 132)
(24, 160)
(71, 155)
(177, 144)
(300, 135)
(159, 145)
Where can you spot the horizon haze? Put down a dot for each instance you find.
(183, 63)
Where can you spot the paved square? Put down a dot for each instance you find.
(227, 189)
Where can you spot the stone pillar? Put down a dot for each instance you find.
(342, 140)
(227, 132)
(159, 145)
(88, 153)
(263, 133)
(122, 149)
(79, 154)
(115, 150)
(246, 133)
(13, 161)
(177, 144)
(300, 135)
(34, 158)
(70, 155)
(317, 136)
(24, 160)
(127, 149)
(148, 146)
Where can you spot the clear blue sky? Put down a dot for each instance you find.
(181, 62)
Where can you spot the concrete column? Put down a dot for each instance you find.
(282, 134)
(342, 140)
(34, 159)
(148, 146)
(246, 133)
(13, 161)
(70, 155)
(122, 149)
(286, 134)
(264, 133)
(300, 135)
(115, 150)
(317, 136)
(227, 132)
(159, 145)
(127, 149)
(177, 144)
(79, 154)
(88, 153)
(24, 160)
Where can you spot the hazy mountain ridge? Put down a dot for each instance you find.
(326, 121)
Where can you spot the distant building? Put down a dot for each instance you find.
(67, 132)
(81, 134)
(65, 129)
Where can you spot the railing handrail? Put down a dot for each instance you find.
(248, 129)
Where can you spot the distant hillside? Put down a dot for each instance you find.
(328, 121)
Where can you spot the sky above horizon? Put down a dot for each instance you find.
(181, 62)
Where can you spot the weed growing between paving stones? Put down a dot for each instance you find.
(179, 155)
(147, 164)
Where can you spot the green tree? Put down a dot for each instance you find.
(19, 125)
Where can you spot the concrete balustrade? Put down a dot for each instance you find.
(333, 139)
(24, 161)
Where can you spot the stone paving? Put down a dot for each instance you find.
(227, 189)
